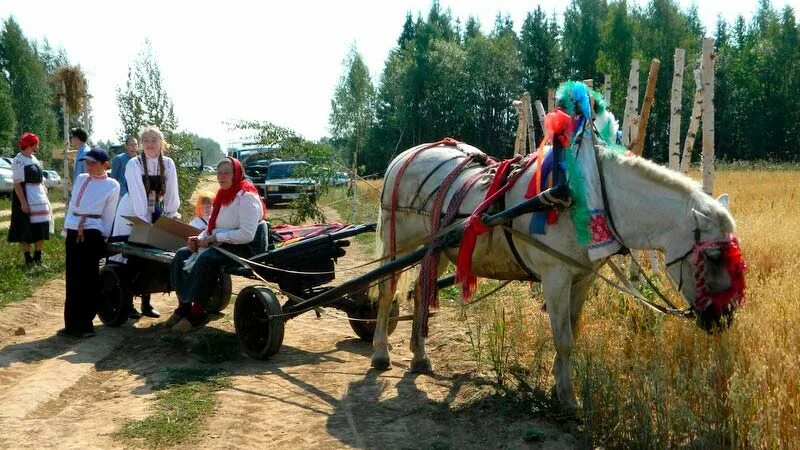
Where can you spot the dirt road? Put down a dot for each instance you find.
(317, 392)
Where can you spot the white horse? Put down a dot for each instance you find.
(650, 206)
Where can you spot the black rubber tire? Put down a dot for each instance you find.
(221, 297)
(369, 311)
(260, 333)
(115, 299)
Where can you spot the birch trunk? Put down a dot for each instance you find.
(631, 102)
(708, 115)
(675, 111)
(694, 123)
(527, 108)
(540, 112)
(607, 89)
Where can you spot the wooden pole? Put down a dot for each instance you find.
(527, 107)
(67, 178)
(519, 142)
(652, 77)
(694, 123)
(607, 89)
(708, 115)
(540, 112)
(675, 110)
(551, 100)
(631, 103)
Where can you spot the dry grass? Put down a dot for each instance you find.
(647, 381)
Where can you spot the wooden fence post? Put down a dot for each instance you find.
(540, 112)
(527, 108)
(551, 100)
(675, 111)
(652, 77)
(708, 115)
(631, 103)
(694, 123)
(607, 89)
(519, 142)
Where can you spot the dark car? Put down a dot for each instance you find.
(283, 181)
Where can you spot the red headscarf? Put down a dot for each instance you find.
(28, 140)
(225, 196)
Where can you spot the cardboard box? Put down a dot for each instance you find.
(165, 234)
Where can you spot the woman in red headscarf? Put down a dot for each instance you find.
(30, 207)
(237, 225)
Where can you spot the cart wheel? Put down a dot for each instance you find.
(221, 297)
(115, 297)
(260, 334)
(368, 310)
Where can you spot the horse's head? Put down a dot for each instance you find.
(707, 265)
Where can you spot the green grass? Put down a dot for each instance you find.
(17, 282)
(182, 402)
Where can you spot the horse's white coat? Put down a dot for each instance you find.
(651, 207)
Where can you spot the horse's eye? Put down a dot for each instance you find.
(713, 256)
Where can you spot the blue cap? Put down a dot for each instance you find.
(96, 154)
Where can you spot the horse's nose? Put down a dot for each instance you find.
(714, 320)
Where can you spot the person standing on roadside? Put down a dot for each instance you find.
(78, 137)
(88, 224)
(30, 207)
(119, 162)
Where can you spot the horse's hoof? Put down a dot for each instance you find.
(421, 366)
(381, 363)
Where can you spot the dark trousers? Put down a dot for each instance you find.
(197, 285)
(83, 279)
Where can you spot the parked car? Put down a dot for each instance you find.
(283, 182)
(51, 178)
(6, 184)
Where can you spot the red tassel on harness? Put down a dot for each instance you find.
(475, 227)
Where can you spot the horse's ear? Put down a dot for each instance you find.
(724, 201)
(703, 221)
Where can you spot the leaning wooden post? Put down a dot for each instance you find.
(551, 100)
(519, 142)
(652, 77)
(540, 112)
(607, 89)
(694, 123)
(527, 108)
(708, 115)
(675, 110)
(631, 102)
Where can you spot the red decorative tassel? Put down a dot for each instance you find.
(552, 216)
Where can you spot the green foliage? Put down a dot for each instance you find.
(353, 106)
(187, 164)
(31, 96)
(143, 100)
(8, 119)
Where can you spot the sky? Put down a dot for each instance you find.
(276, 61)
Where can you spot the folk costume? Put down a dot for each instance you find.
(33, 226)
(88, 224)
(237, 223)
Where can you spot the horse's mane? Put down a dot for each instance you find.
(680, 182)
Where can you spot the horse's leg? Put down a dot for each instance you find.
(380, 341)
(578, 295)
(556, 285)
(421, 363)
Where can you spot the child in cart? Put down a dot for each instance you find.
(202, 210)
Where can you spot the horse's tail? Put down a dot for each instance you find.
(382, 251)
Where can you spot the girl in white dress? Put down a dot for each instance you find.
(30, 207)
(152, 192)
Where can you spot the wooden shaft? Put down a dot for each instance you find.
(652, 77)
(540, 112)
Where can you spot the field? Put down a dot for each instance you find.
(643, 381)
(647, 381)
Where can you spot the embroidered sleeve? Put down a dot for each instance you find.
(110, 208)
(18, 170)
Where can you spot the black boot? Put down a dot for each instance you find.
(37, 257)
(28, 259)
(147, 309)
